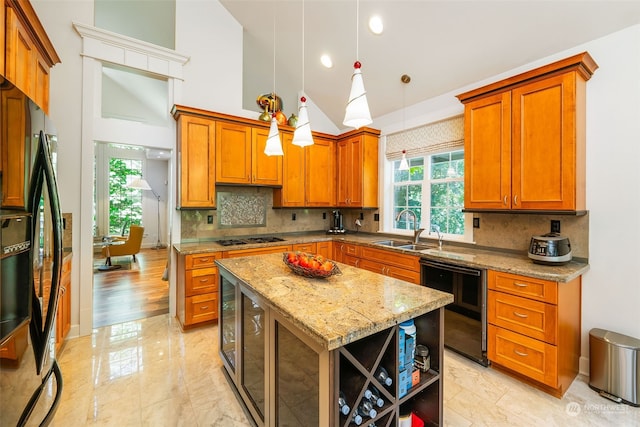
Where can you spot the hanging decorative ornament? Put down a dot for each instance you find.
(293, 120)
(302, 135)
(274, 145)
(357, 112)
(404, 164)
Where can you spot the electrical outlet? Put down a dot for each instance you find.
(555, 225)
(324, 215)
(209, 219)
(361, 215)
(293, 217)
(476, 222)
(376, 217)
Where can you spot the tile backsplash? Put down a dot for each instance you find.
(501, 231)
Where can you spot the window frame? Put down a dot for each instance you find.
(388, 223)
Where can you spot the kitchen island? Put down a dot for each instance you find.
(291, 344)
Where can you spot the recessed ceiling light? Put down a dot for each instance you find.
(375, 24)
(326, 61)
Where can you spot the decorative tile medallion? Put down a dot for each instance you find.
(242, 210)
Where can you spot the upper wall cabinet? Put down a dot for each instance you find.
(525, 140)
(196, 161)
(29, 53)
(357, 163)
(309, 177)
(240, 157)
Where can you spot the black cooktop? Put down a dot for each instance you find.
(234, 242)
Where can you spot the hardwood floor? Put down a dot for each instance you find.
(134, 291)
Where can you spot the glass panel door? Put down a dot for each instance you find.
(227, 322)
(253, 353)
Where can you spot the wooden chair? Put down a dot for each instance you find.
(131, 246)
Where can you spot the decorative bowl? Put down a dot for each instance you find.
(308, 271)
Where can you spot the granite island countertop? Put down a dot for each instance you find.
(337, 310)
(510, 262)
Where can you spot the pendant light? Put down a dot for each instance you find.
(274, 144)
(357, 112)
(302, 135)
(404, 164)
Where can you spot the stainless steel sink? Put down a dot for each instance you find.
(394, 243)
(416, 247)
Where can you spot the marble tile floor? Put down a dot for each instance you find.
(149, 373)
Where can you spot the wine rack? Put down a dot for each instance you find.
(356, 370)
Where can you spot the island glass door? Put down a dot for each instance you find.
(227, 325)
(253, 354)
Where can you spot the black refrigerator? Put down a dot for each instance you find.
(30, 268)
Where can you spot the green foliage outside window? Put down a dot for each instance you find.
(444, 187)
(125, 204)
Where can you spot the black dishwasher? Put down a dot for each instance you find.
(465, 319)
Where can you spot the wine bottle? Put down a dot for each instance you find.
(376, 398)
(357, 418)
(342, 403)
(365, 409)
(367, 394)
(383, 376)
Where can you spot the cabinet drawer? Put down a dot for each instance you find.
(256, 251)
(528, 287)
(410, 262)
(201, 308)
(527, 356)
(534, 319)
(201, 260)
(309, 248)
(391, 271)
(201, 281)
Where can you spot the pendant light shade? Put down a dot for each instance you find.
(274, 145)
(302, 135)
(357, 112)
(404, 164)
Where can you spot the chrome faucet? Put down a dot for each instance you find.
(416, 230)
(436, 228)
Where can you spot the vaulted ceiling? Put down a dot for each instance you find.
(442, 45)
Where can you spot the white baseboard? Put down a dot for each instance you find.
(583, 366)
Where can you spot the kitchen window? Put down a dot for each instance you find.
(433, 188)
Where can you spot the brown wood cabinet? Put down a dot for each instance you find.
(13, 148)
(308, 174)
(320, 173)
(196, 166)
(29, 54)
(240, 157)
(256, 251)
(389, 263)
(534, 329)
(309, 248)
(325, 249)
(63, 318)
(197, 289)
(357, 169)
(525, 140)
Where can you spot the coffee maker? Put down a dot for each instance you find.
(337, 226)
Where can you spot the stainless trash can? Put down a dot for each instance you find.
(614, 366)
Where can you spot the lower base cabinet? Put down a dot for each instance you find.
(283, 377)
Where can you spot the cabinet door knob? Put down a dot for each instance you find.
(204, 307)
(520, 315)
(504, 201)
(519, 353)
(520, 285)
(515, 200)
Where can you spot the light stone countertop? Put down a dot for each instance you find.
(337, 310)
(516, 263)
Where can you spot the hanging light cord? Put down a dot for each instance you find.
(303, 46)
(275, 101)
(357, 28)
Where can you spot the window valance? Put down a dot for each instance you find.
(435, 137)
